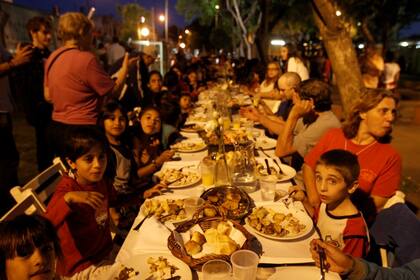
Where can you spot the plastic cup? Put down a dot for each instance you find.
(192, 204)
(236, 121)
(268, 187)
(208, 168)
(244, 263)
(216, 269)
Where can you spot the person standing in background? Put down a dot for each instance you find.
(115, 51)
(9, 156)
(30, 87)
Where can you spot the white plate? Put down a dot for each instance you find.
(198, 143)
(266, 143)
(176, 185)
(297, 213)
(288, 171)
(139, 263)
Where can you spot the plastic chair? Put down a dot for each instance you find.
(43, 185)
(29, 205)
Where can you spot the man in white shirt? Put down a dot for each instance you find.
(115, 51)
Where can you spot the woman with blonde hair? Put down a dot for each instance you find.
(366, 132)
(75, 82)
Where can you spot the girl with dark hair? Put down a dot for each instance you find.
(79, 207)
(29, 247)
(147, 147)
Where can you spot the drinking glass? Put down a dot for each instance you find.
(208, 168)
(216, 269)
(268, 187)
(192, 204)
(244, 263)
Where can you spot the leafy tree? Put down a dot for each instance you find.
(131, 14)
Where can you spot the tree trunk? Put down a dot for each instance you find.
(262, 38)
(340, 50)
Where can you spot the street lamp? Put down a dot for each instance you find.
(144, 31)
(187, 31)
(217, 7)
(182, 45)
(161, 18)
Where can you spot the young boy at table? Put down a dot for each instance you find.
(339, 221)
(79, 207)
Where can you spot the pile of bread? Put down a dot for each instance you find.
(216, 239)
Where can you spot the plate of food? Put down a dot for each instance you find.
(179, 177)
(192, 127)
(234, 201)
(283, 173)
(191, 145)
(153, 266)
(165, 209)
(266, 143)
(276, 221)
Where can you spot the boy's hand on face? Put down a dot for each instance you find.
(93, 199)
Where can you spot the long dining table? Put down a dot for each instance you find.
(279, 260)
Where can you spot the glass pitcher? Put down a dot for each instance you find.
(244, 168)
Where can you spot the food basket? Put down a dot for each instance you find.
(251, 242)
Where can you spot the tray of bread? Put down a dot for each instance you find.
(206, 238)
(231, 200)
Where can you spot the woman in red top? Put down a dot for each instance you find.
(366, 133)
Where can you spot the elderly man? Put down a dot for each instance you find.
(274, 122)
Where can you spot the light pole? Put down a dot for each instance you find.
(217, 7)
(166, 21)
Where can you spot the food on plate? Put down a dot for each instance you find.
(182, 177)
(192, 127)
(262, 171)
(240, 136)
(276, 224)
(165, 209)
(160, 268)
(189, 145)
(126, 273)
(230, 200)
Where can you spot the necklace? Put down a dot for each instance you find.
(362, 150)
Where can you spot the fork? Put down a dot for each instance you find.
(273, 159)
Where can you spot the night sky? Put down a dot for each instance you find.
(105, 7)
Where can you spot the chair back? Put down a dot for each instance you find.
(42, 186)
(28, 205)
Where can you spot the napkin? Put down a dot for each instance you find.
(151, 238)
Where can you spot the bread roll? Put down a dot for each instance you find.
(210, 212)
(198, 237)
(224, 228)
(211, 235)
(227, 248)
(192, 247)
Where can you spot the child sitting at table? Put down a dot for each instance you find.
(79, 207)
(29, 247)
(338, 220)
(121, 166)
